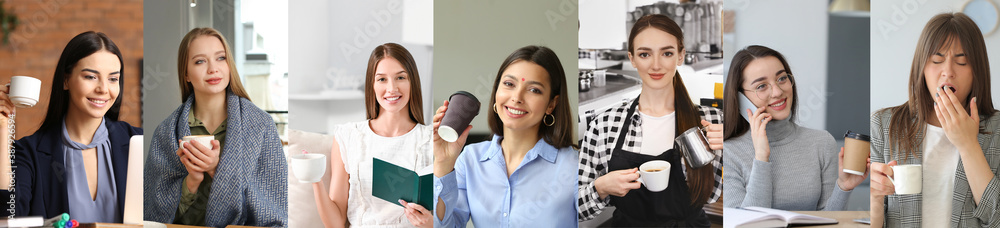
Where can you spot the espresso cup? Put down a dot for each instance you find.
(908, 179)
(308, 168)
(24, 91)
(857, 148)
(204, 140)
(655, 175)
(462, 108)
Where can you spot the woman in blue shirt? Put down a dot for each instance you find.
(77, 161)
(527, 175)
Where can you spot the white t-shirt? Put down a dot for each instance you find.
(654, 128)
(358, 145)
(939, 166)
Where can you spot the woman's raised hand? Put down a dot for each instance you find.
(446, 153)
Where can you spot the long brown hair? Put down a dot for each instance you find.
(235, 86)
(560, 133)
(398, 52)
(735, 124)
(908, 119)
(700, 181)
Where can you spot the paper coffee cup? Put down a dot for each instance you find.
(655, 175)
(308, 168)
(857, 149)
(462, 108)
(907, 179)
(204, 140)
(24, 91)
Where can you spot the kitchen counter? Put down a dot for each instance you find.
(625, 84)
(617, 81)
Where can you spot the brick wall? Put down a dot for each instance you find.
(47, 25)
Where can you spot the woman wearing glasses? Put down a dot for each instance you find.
(773, 162)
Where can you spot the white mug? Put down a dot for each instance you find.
(908, 179)
(655, 181)
(204, 140)
(24, 91)
(308, 168)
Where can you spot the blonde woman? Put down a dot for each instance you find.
(240, 179)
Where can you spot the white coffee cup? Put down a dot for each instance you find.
(655, 175)
(308, 168)
(908, 178)
(204, 140)
(24, 91)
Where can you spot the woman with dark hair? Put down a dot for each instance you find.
(620, 139)
(526, 175)
(240, 179)
(948, 126)
(76, 162)
(773, 162)
(394, 131)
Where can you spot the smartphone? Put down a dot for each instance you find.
(744, 105)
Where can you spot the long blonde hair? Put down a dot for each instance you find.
(234, 86)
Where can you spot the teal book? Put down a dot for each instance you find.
(391, 183)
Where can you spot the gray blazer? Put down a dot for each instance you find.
(905, 210)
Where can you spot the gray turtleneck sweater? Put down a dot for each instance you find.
(801, 174)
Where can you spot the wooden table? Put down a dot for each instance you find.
(714, 212)
(844, 218)
(119, 225)
(108, 225)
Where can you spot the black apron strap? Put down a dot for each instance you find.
(625, 125)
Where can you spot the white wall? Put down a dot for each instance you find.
(896, 26)
(329, 41)
(797, 29)
(602, 24)
(160, 90)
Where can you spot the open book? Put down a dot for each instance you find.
(767, 217)
(391, 182)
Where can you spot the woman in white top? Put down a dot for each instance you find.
(952, 132)
(394, 132)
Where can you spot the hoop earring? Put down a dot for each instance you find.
(553, 122)
(495, 110)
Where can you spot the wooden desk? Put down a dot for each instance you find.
(181, 226)
(844, 218)
(108, 225)
(152, 224)
(714, 212)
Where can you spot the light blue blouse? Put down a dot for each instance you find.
(104, 208)
(540, 193)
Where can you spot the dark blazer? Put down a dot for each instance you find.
(39, 171)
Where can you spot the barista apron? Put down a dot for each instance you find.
(643, 208)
